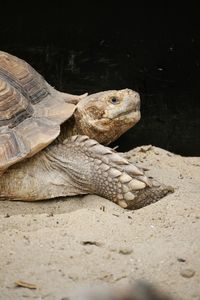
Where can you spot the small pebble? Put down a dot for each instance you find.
(187, 273)
(156, 152)
(73, 277)
(125, 251)
(169, 154)
(50, 214)
(102, 208)
(95, 243)
(145, 148)
(181, 259)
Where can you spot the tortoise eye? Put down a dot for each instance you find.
(114, 100)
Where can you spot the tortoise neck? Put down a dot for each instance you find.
(67, 129)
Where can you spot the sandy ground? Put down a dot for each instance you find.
(61, 244)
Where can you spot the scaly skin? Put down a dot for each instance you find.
(79, 165)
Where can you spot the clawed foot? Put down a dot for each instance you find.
(126, 184)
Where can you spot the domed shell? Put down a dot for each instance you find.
(31, 111)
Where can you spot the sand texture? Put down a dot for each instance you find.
(61, 244)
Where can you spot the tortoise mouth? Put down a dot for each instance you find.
(128, 113)
(124, 115)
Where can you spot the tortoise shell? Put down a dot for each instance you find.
(31, 111)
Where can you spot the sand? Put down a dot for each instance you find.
(61, 244)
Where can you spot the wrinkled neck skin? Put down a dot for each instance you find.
(68, 129)
(99, 131)
(104, 130)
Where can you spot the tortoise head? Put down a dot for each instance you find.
(105, 116)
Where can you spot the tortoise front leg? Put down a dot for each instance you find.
(96, 169)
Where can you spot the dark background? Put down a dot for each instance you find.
(152, 47)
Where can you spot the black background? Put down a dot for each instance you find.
(152, 47)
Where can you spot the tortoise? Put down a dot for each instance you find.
(54, 144)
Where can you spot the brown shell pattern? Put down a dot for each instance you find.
(30, 116)
(20, 86)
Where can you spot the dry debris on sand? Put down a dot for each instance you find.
(60, 244)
